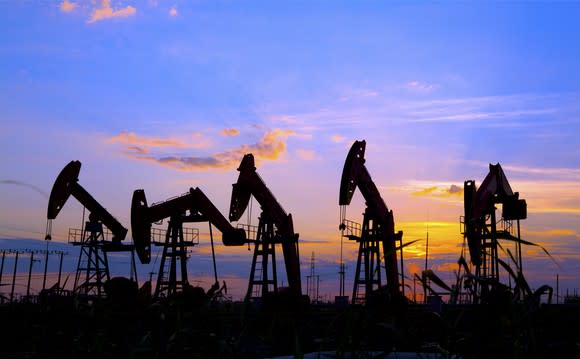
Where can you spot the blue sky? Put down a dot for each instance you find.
(167, 95)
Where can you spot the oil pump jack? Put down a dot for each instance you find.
(193, 206)
(275, 227)
(482, 229)
(378, 228)
(93, 267)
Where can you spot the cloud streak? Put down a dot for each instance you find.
(368, 113)
(439, 191)
(133, 140)
(107, 12)
(557, 172)
(553, 232)
(418, 86)
(482, 115)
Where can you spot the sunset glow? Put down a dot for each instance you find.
(164, 96)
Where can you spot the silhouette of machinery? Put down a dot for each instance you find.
(378, 228)
(275, 227)
(191, 207)
(482, 229)
(93, 267)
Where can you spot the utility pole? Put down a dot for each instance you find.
(60, 269)
(14, 277)
(312, 286)
(45, 266)
(29, 274)
(2, 266)
(425, 279)
(341, 270)
(341, 273)
(557, 289)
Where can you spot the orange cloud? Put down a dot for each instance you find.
(230, 132)
(270, 147)
(413, 268)
(272, 144)
(425, 192)
(439, 191)
(132, 139)
(305, 154)
(337, 138)
(107, 12)
(557, 232)
(67, 6)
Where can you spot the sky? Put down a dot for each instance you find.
(168, 95)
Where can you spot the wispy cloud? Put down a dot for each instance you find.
(230, 132)
(418, 86)
(131, 139)
(387, 108)
(67, 6)
(284, 119)
(105, 11)
(271, 147)
(483, 115)
(555, 172)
